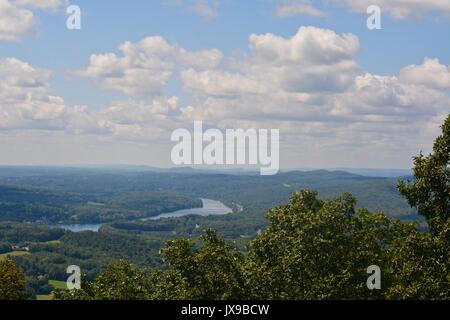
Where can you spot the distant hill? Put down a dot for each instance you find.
(55, 187)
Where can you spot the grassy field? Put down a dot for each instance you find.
(13, 254)
(58, 284)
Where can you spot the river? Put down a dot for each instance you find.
(210, 208)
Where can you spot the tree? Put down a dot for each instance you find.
(317, 249)
(422, 259)
(421, 264)
(5, 247)
(120, 281)
(213, 271)
(430, 190)
(12, 281)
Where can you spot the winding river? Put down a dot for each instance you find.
(210, 208)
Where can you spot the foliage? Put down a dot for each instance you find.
(321, 250)
(430, 191)
(420, 263)
(5, 247)
(422, 260)
(121, 281)
(213, 271)
(12, 281)
(21, 233)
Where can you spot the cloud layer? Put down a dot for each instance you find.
(309, 85)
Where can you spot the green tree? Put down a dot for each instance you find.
(420, 264)
(429, 192)
(421, 260)
(317, 249)
(121, 281)
(12, 281)
(212, 271)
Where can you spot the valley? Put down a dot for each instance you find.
(54, 217)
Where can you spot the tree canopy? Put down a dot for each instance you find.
(12, 281)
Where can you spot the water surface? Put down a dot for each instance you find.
(210, 208)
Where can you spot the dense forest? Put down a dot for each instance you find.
(33, 204)
(310, 245)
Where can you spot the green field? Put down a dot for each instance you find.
(13, 254)
(58, 284)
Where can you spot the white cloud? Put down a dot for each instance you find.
(15, 22)
(144, 68)
(290, 9)
(220, 83)
(308, 45)
(27, 103)
(39, 4)
(330, 112)
(16, 18)
(431, 74)
(200, 59)
(138, 120)
(311, 87)
(313, 60)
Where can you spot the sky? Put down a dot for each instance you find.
(113, 92)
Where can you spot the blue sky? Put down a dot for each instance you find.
(105, 24)
(407, 37)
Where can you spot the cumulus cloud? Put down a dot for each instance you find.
(313, 60)
(27, 102)
(145, 68)
(308, 85)
(314, 76)
(311, 87)
(220, 83)
(431, 74)
(15, 22)
(17, 19)
(139, 120)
